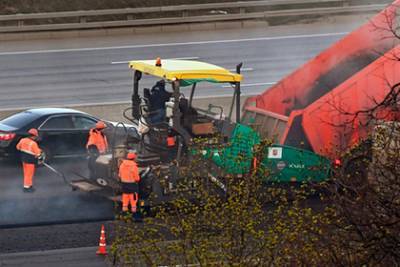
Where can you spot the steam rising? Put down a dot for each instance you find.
(53, 200)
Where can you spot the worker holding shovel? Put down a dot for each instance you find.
(30, 153)
(97, 145)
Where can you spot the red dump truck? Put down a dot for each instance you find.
(314, 107)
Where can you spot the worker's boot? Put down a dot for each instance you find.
(123, 215)
(29, 189)
(137, 216)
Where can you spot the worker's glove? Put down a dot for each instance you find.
(145, 172)
(93, 151)
(40, 159)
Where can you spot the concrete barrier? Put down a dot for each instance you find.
(113, 111)
(251, 14)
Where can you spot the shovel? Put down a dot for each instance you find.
(56, 172)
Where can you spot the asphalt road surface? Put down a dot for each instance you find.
(53, 201)
(53, 237)
(95, 70)
(59, 258)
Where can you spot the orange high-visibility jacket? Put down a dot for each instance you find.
(170, 141)
(29, 150)
(97, 139)
(129, 171)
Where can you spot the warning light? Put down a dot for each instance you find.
(158, 62)
(338, 162)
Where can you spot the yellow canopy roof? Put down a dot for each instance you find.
(171, 69)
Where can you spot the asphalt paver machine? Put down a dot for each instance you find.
(169, 128)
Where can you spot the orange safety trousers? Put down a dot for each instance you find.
(129, 198)
(29, 171)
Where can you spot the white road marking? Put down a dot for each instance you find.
(119, 62)
(184, 58)
(242, 69)
(250, 84)
(181, 58)
(175, 44)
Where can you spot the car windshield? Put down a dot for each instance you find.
(20, 119)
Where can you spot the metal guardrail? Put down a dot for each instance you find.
(231, 11)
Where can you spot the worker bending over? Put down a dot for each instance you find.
(96, 145)
(30, 153)
(130, 178)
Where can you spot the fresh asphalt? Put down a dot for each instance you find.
(52, 217)
(53, 201)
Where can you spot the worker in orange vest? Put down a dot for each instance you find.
(30, 153)
(96, 145)
(130, 178)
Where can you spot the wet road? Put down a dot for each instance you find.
(95, 70)
(53, 201)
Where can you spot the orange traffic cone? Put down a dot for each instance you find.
(102, 244)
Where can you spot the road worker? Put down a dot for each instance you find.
(171, 145)
(130, 178)
(159, 96)
(30, 153)
(96, 145)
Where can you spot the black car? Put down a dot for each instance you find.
(63, 132)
